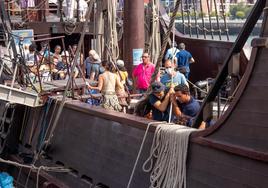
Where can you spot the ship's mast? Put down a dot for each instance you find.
(133, 30)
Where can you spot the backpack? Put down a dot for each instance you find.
(143, 107)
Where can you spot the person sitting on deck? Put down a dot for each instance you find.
(92, 65)
(185, 107)
(171, 75)
(184, 58)
(108, 81)
(62, 65)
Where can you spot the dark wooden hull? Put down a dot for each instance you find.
(100, 148)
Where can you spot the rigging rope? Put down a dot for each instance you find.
(110, 30)
(165, 41)
(155, 40)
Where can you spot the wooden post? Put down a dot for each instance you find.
(133, 30)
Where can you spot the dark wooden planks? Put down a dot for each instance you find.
(247, 126)
(100, 148)
(216, 168)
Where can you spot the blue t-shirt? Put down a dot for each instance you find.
(179, 78)
(189, 109)
(157, 114)
(61, 66)
(183, 59)
(171, 52)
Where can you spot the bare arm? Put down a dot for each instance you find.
(162, 106)
(176, 108)
(192, 60)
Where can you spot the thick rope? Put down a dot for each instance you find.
(111, 32)
(165, 41)
(169, 154)
(154, 38)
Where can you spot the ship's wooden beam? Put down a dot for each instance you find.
(56, 27)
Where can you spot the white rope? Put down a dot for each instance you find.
(139, 153)
(155, 40)
(33, 167)
(169, 154)
(111, 34)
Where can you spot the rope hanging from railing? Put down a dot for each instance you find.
(168, 154)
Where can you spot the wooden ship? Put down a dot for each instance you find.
(98, 147)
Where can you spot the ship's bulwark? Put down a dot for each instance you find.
(99, 146)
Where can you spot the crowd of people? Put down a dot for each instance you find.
(49, 65)
(169, 89)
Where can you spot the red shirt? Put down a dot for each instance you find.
(143, 74)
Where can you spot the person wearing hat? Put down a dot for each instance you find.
(160, 101)
(92, 64)
(123, 78)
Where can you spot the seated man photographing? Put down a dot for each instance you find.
(185, 107)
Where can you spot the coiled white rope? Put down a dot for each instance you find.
(169, 154)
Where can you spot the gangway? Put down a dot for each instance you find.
(10, 93)
(18, 96)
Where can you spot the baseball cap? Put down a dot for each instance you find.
(120, 63)
(157, 87)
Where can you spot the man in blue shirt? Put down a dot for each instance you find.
(171, 75)
(160, 101)
(184, 58)
(172, 52)
(185, 107)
